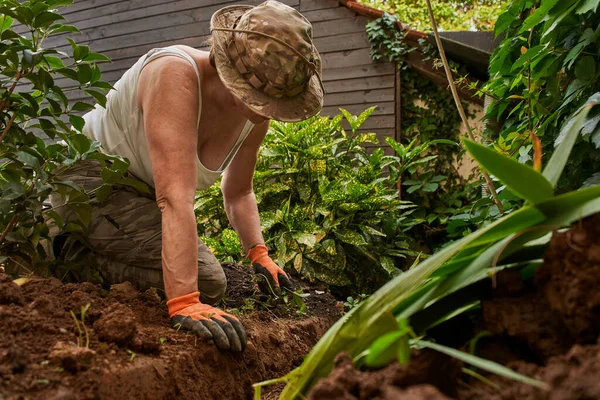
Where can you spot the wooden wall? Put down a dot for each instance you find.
(126, 29)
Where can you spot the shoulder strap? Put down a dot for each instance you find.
(177, 52)
(240, 140)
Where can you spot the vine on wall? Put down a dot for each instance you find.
(428, 112)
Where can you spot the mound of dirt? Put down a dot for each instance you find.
(132, 352)
(547, 329)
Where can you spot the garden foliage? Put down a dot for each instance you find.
(329, 208)
(449, 205)
(379, 329)
(452, 15)
(35, 113)
(545, 68)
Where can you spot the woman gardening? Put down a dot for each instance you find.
(184, 117)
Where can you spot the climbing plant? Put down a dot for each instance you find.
(428, 113)
(542, 72)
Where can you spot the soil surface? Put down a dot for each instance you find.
(127, 350)
(547, 328)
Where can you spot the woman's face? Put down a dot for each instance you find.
(253, 117)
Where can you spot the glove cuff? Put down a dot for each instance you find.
(257, 253)
(175, 305)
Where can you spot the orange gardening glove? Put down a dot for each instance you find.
(209, 323)
(271, 277)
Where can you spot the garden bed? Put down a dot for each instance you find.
(133, 352)
(547, 328)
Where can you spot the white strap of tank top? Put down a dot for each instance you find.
(243, 135)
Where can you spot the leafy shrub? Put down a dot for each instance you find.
(329, 208)
(34, 111)
(379, 330)
(545, 68)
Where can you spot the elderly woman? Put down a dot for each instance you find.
(184, 117)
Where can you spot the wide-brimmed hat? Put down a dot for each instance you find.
(265, 56)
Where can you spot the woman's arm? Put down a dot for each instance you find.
(242, 211)
(238, 194)
(168, 96)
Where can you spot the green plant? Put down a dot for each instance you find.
(295, 299)
(328, 207)
(33, 114)
(352, 302)
(420, 291)
(429, 115)
(81, 328)
(544, 69)
(454, 15)
(132, 355)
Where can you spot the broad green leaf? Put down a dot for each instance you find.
(77, 122)
(12, 191)
(587, 5)
(60, 3)
(486, 365)
(44, 19)
(521, 179)
(388, 264)
(80, 143)
(28, 159)
(307, 239)
(95, 57)
(54, 62)
(538, 15)
(371, 231)
(5, 22)
(384, 350)
(527, 56)
(564, 144)
(351, 237)
(81, 106)
(84, 74)
(69, 73)
(60, 28)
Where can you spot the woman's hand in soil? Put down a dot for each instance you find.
(207, 322)
(271, 277)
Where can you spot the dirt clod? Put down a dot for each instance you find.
(570, 278)
(117, 325)
(424, 368)
(9, 291)
(71, 357)
(418, 392)
(123, 292)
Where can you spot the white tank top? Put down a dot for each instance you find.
(120, 126)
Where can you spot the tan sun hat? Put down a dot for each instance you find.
(266, 57)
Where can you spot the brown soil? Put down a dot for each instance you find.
(133, 353)
(547, 328)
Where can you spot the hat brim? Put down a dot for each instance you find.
(286, 109)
